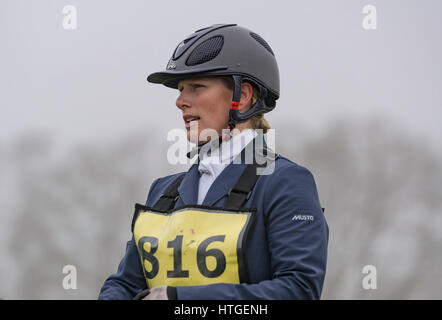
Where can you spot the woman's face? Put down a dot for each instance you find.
(205, 104)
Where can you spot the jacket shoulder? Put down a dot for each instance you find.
(284, 166)
(293, 181)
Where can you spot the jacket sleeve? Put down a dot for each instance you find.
(297, 236)
(129, 279)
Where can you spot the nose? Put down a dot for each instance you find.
(182, 102)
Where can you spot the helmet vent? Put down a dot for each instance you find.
(261, 42)
(205, 51)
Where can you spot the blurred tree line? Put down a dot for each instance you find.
(380, 185)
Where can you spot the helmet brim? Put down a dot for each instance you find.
(171, 78)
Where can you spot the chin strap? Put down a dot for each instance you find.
(227, 134)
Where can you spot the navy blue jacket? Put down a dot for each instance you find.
(286, 254)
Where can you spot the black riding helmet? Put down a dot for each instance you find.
(226, 49)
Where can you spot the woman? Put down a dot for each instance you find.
(224, 229)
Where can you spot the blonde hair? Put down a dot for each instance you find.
(258, 121)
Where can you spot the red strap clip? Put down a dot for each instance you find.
(234, 105)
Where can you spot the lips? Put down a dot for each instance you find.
(189, 118)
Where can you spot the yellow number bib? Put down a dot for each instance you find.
(192, 245)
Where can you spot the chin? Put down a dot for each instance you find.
(192, 137)
(202, 135)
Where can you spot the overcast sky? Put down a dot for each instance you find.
(89, 84)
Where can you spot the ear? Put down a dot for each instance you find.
(246, 97)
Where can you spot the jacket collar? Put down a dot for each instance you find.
(223, 183)
(188, 188)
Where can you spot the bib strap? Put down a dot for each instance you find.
(242, 190)
(167, 200)
(237, 195)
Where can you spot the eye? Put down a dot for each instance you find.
(193, 86)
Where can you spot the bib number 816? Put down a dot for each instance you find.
(176, 245)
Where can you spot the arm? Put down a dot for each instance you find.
(298, 248)
(129, 279)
